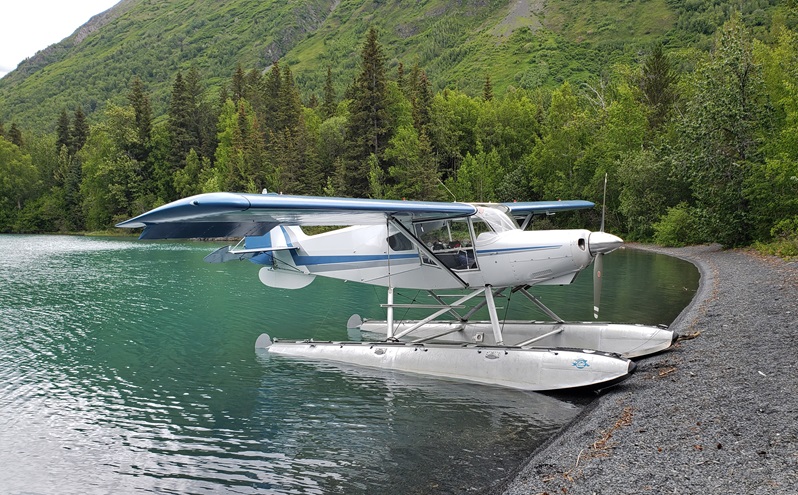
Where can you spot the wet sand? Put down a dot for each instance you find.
(718, 413)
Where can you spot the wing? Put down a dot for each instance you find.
(523, 212)
(546, 207)
(239, 215)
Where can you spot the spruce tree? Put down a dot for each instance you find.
(400, 76)
(422, 103)
(15, 135)
(271, 95)
(140, 102)
(203, 117)
(80, 130)
(254, 92)
(658, 84)
(181, 123)
(487, 89)
(289, 106)
(63, 137)
(369, 127)
(179, 127)
(328, 106)
(239, 84)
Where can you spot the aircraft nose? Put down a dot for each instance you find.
(602, 243)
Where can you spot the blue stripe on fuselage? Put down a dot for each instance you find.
(307, 260)
(518, 249)
(311, 260)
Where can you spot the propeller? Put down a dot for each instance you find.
(598, 247)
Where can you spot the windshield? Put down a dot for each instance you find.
(498, 220)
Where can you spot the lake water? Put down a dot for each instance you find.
(129, 366)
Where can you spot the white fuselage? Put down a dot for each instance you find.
(474, 253)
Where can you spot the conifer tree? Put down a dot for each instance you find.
(179, 127)
(369, 128)
(411, 87)
(254, 93)
(400, 76)
(289, 103)
(203, 116)
(80, 130)
(422, 103)
(238, 85)
(15, 135)
(658, 84)
(140, 102)
(271, 95)
(63, 137)
(487, 89)
(183, 126)
(328, 105)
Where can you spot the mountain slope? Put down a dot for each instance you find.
(524, 43)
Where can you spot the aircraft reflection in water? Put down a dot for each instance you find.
(478, 249)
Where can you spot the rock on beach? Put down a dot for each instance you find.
(718, 413)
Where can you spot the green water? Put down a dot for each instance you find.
(129, 366)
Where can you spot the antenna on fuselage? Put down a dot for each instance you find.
(454, 198)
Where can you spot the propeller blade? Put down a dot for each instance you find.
(598, 273)
(605, 244)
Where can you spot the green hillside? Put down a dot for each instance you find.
(523, 43)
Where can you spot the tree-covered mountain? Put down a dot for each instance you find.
(690, 106)
(519, 43)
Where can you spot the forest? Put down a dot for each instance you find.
(699, 149)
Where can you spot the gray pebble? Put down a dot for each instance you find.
(718, 413)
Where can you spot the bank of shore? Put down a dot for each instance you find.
(718, 413)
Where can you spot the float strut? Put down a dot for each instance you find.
(494, 318)
(540, 305)
(390, 313)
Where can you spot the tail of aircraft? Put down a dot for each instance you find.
(278, 247)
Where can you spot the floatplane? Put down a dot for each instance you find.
(481, 252)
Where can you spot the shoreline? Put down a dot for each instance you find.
(717, 413)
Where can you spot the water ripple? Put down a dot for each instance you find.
(129, 367)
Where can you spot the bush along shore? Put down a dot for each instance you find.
(718, 413)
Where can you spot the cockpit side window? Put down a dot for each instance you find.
(451, 242)
(480, 226)
(398, 242)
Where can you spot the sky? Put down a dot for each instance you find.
(27, 26)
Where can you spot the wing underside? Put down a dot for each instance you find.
(240, 215)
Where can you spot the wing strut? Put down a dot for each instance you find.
(424, 249)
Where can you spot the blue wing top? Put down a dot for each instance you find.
(227, 214)
(546, 207)
(240, 215)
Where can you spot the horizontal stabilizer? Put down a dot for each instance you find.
(224, 254)
(228, 253)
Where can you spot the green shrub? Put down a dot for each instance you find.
(678, 227)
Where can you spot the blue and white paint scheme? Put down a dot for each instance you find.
(478, 248)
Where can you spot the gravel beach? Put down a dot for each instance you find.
(718, 413)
